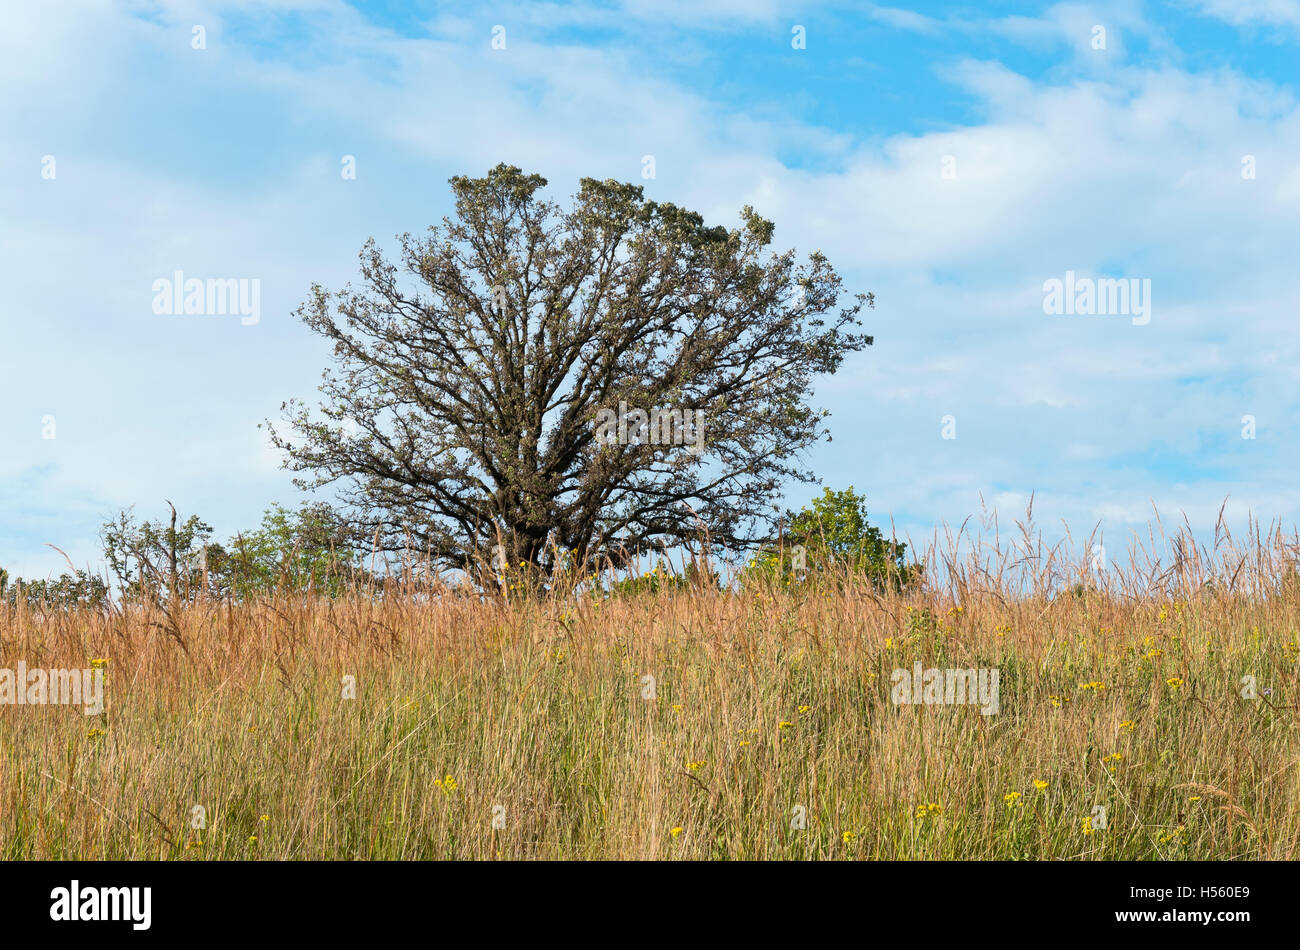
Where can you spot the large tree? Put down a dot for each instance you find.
(473, 388)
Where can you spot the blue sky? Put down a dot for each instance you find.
(1117, 162)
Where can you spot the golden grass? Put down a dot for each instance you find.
(765, 702)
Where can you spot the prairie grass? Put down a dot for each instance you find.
(1119, 688)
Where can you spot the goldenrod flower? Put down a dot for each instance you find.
(847, 837)
(1039, 784)
(1174, 682)
(676, 831)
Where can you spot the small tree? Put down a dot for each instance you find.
(297, 550)
(158, 560)
(832, 537)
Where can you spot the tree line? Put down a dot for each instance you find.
(312, 550)
(173, 559)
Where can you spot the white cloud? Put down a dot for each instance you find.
(1252, 12)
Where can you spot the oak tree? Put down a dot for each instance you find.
(569, 382)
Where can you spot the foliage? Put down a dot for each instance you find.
(309, 547)
(306, 548)
(67, 591)
(663, 579)
(832, 538)
(152, 557)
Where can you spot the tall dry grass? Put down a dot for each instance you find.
(1120, 688)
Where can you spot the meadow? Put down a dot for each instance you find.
(689, 723)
